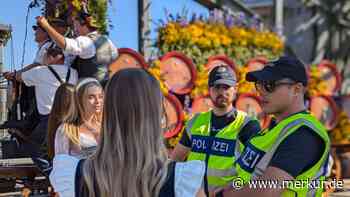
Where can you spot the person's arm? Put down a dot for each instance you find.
(180, 152)
(18, 76)
(28, 67)
(54, 35)
(182, 149)
(249, 130)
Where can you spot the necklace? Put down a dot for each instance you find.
(91, 128)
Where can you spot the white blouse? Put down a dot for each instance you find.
(62, 143)
(189, 176)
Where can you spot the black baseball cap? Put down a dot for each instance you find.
(285, 67)
(222, 75)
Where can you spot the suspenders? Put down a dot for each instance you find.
(57, 76)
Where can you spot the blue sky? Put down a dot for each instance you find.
(123, 14)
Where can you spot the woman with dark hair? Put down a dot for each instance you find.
(131, 159)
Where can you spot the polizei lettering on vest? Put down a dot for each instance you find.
(199, 144)
(213, 146)
(250, 157)
(220, 146)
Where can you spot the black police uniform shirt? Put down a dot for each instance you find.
(299, 151)
(220, 122)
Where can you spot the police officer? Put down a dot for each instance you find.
(217, 136)
(296, 145)
(94, 51)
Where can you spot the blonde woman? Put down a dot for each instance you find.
(131, 159)
(79, 133)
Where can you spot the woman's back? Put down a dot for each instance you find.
(130, 160)
(184, 179)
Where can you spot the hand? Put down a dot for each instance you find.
(42, 21)
(9, 75)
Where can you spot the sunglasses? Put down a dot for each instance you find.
(270, 86)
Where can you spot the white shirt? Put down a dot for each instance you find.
(46, 84)
(189, 176)
(63, 145)
(84, 47)
(40, 54)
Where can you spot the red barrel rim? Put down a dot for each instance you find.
(134, 54)
(333, 106)
(178, 107)
(223, 58)
(333, 68)
(260, 59)
(191, 66)
(266, 119)
(116, 66)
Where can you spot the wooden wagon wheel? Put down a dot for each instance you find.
(177, 72)
(127, 58)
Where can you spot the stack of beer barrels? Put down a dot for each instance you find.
(178, 75)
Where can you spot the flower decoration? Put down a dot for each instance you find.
(155, 71)
(316, 84)
(243, 85)
(341, 133)
(202, 38)
(64, 8)
(201, 83)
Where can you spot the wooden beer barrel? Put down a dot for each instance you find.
(330, 74)
(218, 60)
(178, 72)
(257, 63)
(172, 122)
(251, 104)
(325, 109)
(127, 58)
(201, 104)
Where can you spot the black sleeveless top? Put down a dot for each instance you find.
(167, 190)
(91, 67)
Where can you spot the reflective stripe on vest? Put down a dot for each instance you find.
(221, 147)
(260, 150)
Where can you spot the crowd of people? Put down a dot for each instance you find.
(104, 135)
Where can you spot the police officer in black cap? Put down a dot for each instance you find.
(218, 135)
(294, 150)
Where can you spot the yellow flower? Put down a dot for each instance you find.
(341, 133)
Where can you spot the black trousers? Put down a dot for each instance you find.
(37, 147)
